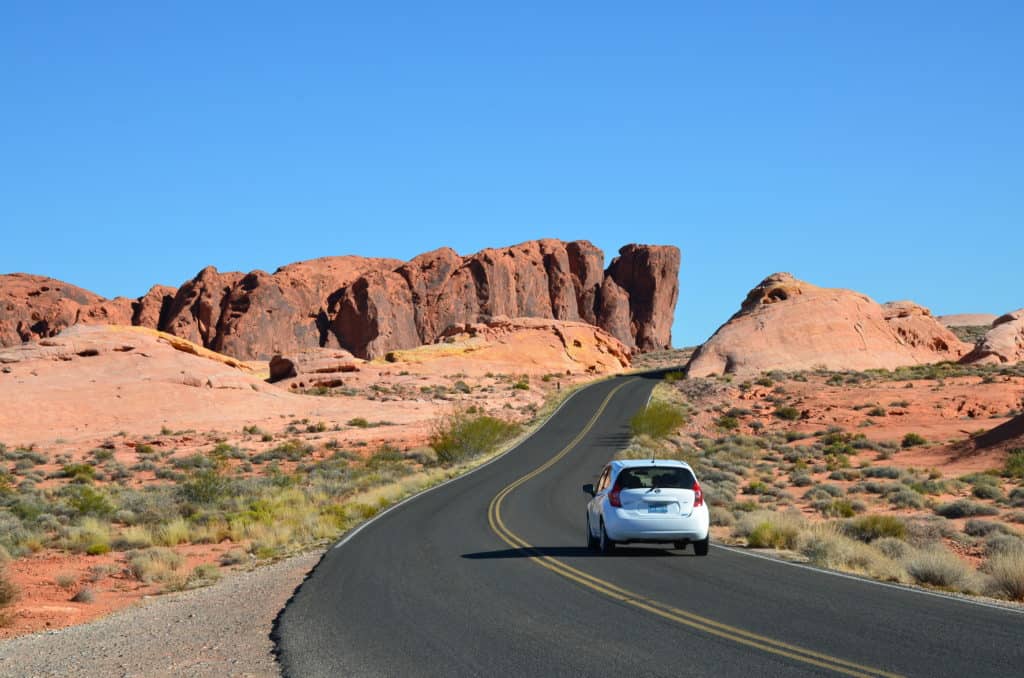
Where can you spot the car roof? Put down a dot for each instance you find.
(619, 464)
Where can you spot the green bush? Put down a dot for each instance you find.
(728, 423)
(912, 440)
(964, 508)
(1015, 464)
(789, 413)
(87, 501)
(462, 436)
(657, 420)
(870, 528)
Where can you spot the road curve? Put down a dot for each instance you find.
(488, 576)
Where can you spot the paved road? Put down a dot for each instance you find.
(476, 579)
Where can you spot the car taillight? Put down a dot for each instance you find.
(613, 496)
(698, 494)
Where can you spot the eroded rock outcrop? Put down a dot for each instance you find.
(373, 306)
(1004, 343)
(788, 324)
(36, 307)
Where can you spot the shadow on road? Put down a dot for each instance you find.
(574, 552)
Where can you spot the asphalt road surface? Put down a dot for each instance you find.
(489, 576)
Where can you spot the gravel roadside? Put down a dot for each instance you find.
(221, 630)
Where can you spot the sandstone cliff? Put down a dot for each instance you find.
(372, 306)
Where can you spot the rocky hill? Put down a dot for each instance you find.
(373, 306)
(1003, 343)
(789, 324)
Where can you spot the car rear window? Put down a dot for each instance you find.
(647, 477)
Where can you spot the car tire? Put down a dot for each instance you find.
(700, 548)
(592, 542)
(606, 544)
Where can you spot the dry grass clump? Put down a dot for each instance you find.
(157, 564)
(824, 546)
(938, 567)
(91, 536)
(133, 537)
(768, 529)
(1007, 572)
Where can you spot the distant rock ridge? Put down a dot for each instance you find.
(371, 306)
(788, 324)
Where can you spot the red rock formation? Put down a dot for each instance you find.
(372, 306)
(1004, 343)
(788, 324)
(35, 307)
(650, 275)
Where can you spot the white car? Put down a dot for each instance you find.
(647, 501)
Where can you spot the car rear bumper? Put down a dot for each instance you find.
(624, 525)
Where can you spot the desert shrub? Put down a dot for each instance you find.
(984, 528)
(203, 575)
(825, 548)
(80, 473)
(84, 595)
(66, 580)
(233, 557)
(387, 455)
(889, 472)
(870, 528)
(788, 413)
(924, 531)
(657, 420)
(461, 436)
(157, 564)
(801, 479)
(1014, 467)
(358, 422)
(1017, 496)
(938, 567)
(1003, 543)
(876, 412)
(292, 450)
(905, 497)
(722, 516)
(204, 487)
(1007, 573)
(8, 590)
(912, 440)
(91, 536)
(893, 548)
(965, 508)
(727, 423)
(824, 492)
(173, 533)
(133, 537)
(765, 529)
(836, 508)
(987, 492)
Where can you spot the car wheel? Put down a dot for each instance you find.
(592, 542)
(606, 545)
(700, 548)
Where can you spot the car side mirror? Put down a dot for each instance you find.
(589, 489)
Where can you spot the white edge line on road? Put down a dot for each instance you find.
(866, 580)
(391, 508)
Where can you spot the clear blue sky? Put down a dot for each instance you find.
(870, 145)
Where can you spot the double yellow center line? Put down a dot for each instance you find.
(639, 601)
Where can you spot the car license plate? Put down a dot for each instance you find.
(657, 508)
